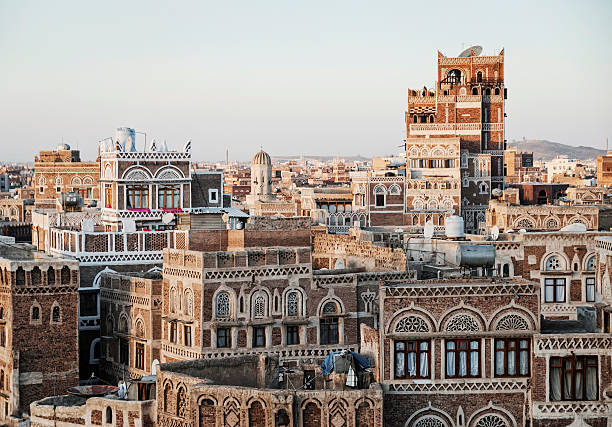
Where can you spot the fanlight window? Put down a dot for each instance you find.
(380, 189)
(491, 421)
(430, 421)
(259, 308)
(512, 322)
(411, 324)
(395, 190)
(223, 304)
(462, 323)
(292, 304)
(525, 223)
(330, 308)
(553, 263)
(591, 264)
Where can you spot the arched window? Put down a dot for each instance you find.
(431, 118)
(188, 303)
(506, 270)
(590, 265)
(474, 91)
(241, 304)
(36, 276)
(222, 304)
(330, 307)
(65, 275)
(259, 306)
(553, 263)
(123, 324)
(415, 119)
(109, 415)
(20, 276)
(172, 300)
(479, 76)
(453, 76)
(35, 315)
(167, 394)
(181, 407)
(293, 304)
(140, 329)
(56, 314)
(487, 91)
(51, 276)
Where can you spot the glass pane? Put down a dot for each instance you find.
(399, 365)
(567, 386)
(555, 384)
(560, 293)
(450, 364)
(578, 386)
(412, 371)
(591, 383)
(512, 363)
(474, 345)
(424, 365)
(524, 363)
(423, 346)
(499, 362)
(499, 344)
(474, 363)
(462, 364)
(549, 294)
(399, 345)
(450, 345)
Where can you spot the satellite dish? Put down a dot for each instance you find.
(428, 230)
(497, 192)
(495, 232)
(576, 227)
(167, 218)
(87, 225)
(468, 52)
(129, 225)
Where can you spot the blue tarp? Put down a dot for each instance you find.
(328, 364)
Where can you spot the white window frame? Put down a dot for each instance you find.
(213, 192)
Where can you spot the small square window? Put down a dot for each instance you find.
(58, 189)
(213, 196)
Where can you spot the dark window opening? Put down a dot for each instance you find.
(224, 338)
(309, 380)
(187, 335)
(140, 356)
(259, 337)
(554, 290)
(293, 335)
(56, 314)
(35, 313)
(380, 200)
(329, 330)
(124, 351)
(88, 304)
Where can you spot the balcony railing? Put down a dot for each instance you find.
(453, 128)
(116, 247)
(487, 81)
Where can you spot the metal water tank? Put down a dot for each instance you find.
(476, 255)
(127, 138)
(454, 227)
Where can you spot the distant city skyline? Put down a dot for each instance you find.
(316, 79)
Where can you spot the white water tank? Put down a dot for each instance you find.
(126, 138)
(453, 226)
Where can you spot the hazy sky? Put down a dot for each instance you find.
(310, 77)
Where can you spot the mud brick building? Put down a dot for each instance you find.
(437, 346)
(61, 171)
(38, 327)
(512, 216)
(455, 137)
(338, 251)
(245, 390)
(130, 331)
